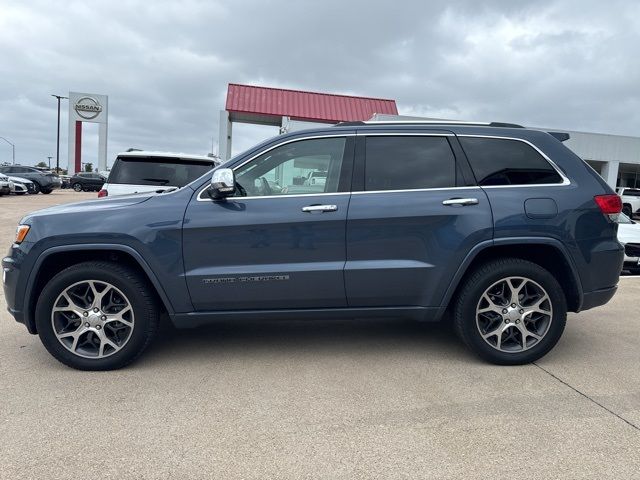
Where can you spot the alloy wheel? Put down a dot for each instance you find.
(92, 319)
(514, 314)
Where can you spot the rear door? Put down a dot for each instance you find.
(416, 217)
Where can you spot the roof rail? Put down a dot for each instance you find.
(428, 122)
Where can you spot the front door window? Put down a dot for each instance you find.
(304, 167)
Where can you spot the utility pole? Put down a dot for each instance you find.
(59, 97)
(13, 150)
(50, 163)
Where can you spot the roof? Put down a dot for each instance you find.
(149, 153)
(267, 105)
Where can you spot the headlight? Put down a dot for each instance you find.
(21, 233)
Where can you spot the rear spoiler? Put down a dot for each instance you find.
(562, 136)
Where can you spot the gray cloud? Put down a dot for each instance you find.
(166, 65)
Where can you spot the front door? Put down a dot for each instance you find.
(416, 218)
(279, 242)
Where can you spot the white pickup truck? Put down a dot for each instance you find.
(630, 200)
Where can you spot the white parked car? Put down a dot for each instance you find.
(629, 236)
(144, 171)
(6, 186)
(630, 200)
(22, 185)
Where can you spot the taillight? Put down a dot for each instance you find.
(104, 193)
(610, 204)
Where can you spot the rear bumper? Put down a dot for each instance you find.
(597, 297)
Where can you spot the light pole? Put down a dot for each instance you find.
(13, 150)
(50, 163)
(59, 97)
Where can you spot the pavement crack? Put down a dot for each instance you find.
(588, 397)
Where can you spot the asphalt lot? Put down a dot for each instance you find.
(366, 399)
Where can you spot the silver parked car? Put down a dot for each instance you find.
(22, 185)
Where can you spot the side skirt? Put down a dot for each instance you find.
(196, 319)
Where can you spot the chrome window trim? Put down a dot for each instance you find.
(200, 198)
(565, 180)
(435, 189)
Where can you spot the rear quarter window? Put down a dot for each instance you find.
(498, 161)
(157, 171)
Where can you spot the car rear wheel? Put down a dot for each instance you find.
(510, 311)
(626, 209)
(97, 316)
(77, 187)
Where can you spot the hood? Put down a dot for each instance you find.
(20, 180)
(89, 206)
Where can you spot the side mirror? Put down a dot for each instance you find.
(223, 183)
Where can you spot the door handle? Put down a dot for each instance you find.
(319, 208)
(461, 202)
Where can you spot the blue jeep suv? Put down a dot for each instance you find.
(497, 228)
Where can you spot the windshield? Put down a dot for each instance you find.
(157, 171)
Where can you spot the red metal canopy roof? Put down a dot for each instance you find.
(249, 100)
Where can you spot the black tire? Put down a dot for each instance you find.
(632, 271)
(132, 284)
(626, 209)
(77, 187)
(46, 191)
(36, 187)
(484, 277)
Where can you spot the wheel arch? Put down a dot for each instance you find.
(56, 259)
(549, 253)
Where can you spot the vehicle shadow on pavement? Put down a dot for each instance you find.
(334, 337)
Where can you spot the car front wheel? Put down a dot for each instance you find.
(96, 316)
(77, 187)
(510, 311)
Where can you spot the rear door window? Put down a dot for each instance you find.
(157, 171)
(502, 161)
(409, 163)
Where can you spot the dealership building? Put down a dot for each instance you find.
(615, 157)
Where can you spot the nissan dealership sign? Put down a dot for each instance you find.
(87, 107)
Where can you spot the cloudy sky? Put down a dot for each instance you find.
(166, 65)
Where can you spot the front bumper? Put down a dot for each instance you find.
(10, 278)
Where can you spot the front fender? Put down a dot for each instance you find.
(29, 319)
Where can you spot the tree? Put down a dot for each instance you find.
(88, 167)
(42, 165)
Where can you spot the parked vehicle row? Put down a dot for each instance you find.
(44, 181)
(480, 224)
(16, 185)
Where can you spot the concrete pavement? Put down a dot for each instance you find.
(366, 399)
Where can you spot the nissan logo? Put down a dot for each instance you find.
(88, 108)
